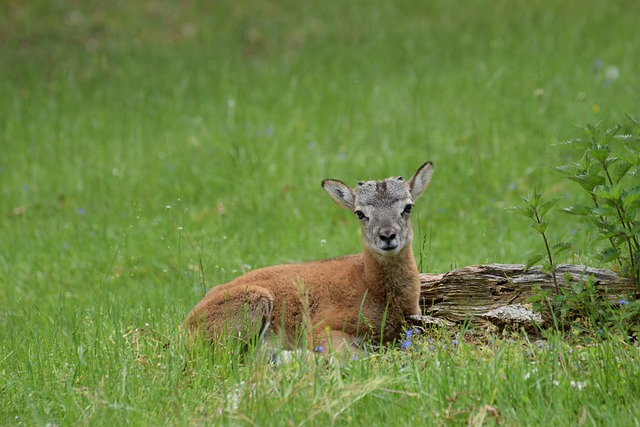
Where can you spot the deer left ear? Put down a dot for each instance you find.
(340, 193)
(420, 180)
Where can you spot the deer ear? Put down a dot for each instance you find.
(340, 192)
(420, 180)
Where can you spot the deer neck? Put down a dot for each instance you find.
(391, 274)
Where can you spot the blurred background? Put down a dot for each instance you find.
(152, 149)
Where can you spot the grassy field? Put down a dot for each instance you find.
(150, 150)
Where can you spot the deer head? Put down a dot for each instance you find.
(383, 208)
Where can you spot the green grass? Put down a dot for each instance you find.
(150, 150)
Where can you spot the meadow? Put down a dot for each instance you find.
(151, 150)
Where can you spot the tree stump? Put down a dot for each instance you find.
(495, 295)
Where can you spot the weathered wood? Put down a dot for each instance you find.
(495, 295)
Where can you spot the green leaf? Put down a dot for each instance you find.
(577, 287)
(533, 260)
(621, 170)
(635, 229)
(546, 206)
(532, 199)
(588, 181)
(604, 226)
(608, 193)
(613, 131)
(560, 247)
(578, 210)
(633, 121)
(632, 155)
(609, 254)
(603, 211)
(627, 138)
(630, 196)
(592, 130)
(570, 169)
(524, 211)
(600, 154)
(540, 227)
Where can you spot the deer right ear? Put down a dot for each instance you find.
(420, 180)
(340, 193)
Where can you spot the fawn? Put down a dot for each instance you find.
(335, 303)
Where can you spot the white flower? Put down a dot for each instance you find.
(578, 385)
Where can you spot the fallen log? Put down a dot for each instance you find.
(495, 295)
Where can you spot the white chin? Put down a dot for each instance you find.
(387, 250)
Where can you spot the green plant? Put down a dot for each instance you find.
(535, 209)
(577, 307)
(608, 171)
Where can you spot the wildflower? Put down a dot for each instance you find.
(454, 342)
(319, 349)
(597, 65)
(623, 301)
(578, 385)
(81, 211)
(405, 344)
(409, 333)
(612, 72)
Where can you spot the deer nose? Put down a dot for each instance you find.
(387, 234)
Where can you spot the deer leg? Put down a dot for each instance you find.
(241, 312)
(336, 342)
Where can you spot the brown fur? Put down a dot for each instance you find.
(331, 302)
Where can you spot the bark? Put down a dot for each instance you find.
(496, 295)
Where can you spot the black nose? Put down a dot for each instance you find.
(387, 235)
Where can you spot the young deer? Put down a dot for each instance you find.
(334, 303)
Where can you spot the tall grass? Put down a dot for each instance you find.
(150, 150)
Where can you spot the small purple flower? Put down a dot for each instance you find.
(409, 333)
(319, 349)
(405, 344)
(81, 211)
(597, 65)
(454, 342)
(354, 357)
(623, 301)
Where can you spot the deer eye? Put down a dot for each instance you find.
(360, 214)
(407, 209)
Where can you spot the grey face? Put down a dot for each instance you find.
(383, 207)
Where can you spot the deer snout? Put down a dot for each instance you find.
(387, 236)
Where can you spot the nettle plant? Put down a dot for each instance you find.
(535, 208)
(608, 170)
